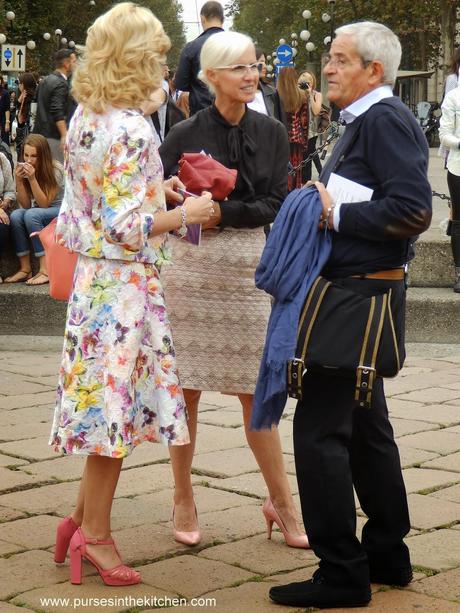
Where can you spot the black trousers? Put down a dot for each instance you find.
(338, 445)
(453, 182)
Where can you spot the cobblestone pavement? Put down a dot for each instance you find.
(235, 564)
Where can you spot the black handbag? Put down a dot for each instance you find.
(347, 334)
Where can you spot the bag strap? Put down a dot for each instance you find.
(296, 366)
(366, 371)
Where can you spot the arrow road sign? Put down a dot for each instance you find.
(13, 58)
(284, 54)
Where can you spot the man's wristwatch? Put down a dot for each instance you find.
(182, 231)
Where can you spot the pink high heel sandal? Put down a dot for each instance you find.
(271, 515)
(187, 538)
(118, 575)
(64, 533)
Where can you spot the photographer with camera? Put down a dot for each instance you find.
(307, 82)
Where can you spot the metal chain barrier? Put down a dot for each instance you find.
(441, 197)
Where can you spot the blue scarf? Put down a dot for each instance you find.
(293, 257)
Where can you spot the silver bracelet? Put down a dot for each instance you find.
(182, 231)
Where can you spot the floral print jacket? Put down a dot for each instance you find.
(113, 187)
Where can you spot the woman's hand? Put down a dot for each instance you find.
(170, 186)
(25, 170)
(199, 210)
(4, 218)
(328, 207)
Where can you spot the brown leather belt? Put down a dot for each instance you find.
(394, 274)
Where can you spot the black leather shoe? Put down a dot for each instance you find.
(318, 593)
(391, 576)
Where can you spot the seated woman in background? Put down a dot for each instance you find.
(7, 195)
(39, 192)
(295, 104)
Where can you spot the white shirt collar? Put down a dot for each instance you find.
(363, 104)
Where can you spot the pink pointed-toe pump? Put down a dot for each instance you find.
(271, 516)
(118, 575)
(64, 533)
(187, 538)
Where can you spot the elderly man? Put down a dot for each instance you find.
(338, 444)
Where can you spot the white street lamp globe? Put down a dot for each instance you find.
(276, 61)
(71, 44)
(305, 35)
(269, 68)
(294, 52)
(46, 35)
(310, 46)
(58, 32)
(269, 57)
(282, 41)
(327, 40)
(306, 14)
(64, 40)
(30, 44)
(294, 35)
(92, 3)
(2, 39)
(326, 17)
(10, 15)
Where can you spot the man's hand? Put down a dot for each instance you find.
(328, 207)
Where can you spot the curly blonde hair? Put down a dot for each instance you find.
(122, 59)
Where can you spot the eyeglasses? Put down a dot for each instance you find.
(340, 63)
(242, 69)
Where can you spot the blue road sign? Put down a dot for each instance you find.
(279, 68)
(8, 54)
(284, 54)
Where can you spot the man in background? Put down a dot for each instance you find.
(52, 103)
(4, 112)
(186, 79)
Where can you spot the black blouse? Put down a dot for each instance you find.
(257, 147)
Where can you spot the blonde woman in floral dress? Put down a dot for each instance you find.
(118, 381)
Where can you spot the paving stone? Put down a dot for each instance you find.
(455, 429)
(89, 597)
(217, 399)
(8, 403)
(402, 427)
(30, 449)
(7, 460)
(62, 468)
(251, 483)
(28, 415)
(146, 542)
(455, 401)
(29, 570)
(414, 383)
(405, 601)
(50, 380)
(10, 384)
(443, 585)
(9, 608)
(7, 548)
(221, 417)
(449, 462)
(41, 368)
(10, 479)
(25, 431)
(145, 480)
(59, 499)
(431, 395)
(262, 556)
(439, 441)
(419, 479)
(226, 462)
(146, 453)
(251, 597)
(427, 512)
(32, 532)
(213, 438)
(448, 493)
(7, 514)
(198, 575)
(437, 550)
(442, 414)
(410, 456)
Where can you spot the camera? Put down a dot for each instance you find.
(304, 85)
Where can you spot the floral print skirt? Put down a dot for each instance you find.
(118, 382)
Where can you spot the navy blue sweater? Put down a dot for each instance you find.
(383, 149)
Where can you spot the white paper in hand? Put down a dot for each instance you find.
(344, 190)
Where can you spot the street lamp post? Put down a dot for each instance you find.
(332, 5)
(58, 35)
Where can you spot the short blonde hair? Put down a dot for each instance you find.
(122, 58)
(222, 49)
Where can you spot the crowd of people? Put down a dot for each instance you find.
(149, 328)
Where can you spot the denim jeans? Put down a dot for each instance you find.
(24, 222)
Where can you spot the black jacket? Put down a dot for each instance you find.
(385, 150)
(52, 105)
(273, 103)
(186, 78)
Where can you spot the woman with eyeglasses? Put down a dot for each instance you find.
(218, 316)
(295, 103)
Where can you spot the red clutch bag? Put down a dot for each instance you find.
(60, 263)
(200, 172)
